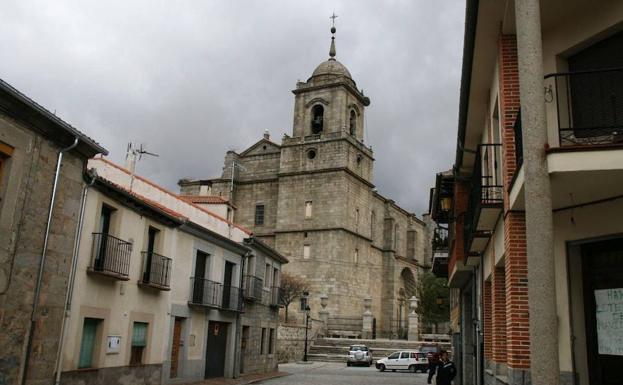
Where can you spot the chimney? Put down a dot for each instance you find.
(130, 158)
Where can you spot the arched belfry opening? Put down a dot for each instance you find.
(353, 122)
(317, 122)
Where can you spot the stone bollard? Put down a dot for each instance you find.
(414, 332)
(366, 331)
(324, 313)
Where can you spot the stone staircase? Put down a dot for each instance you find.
(336, 349)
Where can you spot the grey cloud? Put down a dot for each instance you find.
(192, 79)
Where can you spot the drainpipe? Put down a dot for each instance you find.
(35, 304)
(544, 361)
(237, 347)
(92, 174)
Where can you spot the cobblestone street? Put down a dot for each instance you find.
(331, 373)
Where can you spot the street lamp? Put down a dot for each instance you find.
(307, 309)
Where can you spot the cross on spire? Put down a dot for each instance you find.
(333, 17)
(332, 48)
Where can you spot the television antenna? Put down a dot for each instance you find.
(134, 154)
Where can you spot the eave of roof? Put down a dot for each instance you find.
(23, 108)
(175, 195)
(471, 20)
(165, 215)
(135, 201)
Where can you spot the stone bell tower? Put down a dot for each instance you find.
(325, 189)
(328, 106)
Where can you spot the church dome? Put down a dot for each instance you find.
(331, 67)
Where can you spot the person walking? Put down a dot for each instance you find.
(446, 371)
(433, 360)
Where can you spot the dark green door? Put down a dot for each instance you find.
(87, 345)
(216, 350)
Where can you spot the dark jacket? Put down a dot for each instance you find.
(446, 371)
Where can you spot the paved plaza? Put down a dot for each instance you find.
(332, 373)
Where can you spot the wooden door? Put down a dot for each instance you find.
(216, 349)
(243, 346)
(602, 270)
(175, 346)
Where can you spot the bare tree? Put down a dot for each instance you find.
(292, 287)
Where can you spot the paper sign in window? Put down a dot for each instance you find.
(609, 308)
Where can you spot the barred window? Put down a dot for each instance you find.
(259, 215)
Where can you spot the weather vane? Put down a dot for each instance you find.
(333, 17)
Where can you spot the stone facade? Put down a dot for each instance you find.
(320, 207)
(30, 141)
(260, 319)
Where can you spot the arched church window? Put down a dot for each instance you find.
(353, 122)
(317, 119)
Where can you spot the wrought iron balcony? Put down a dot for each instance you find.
(204, 292)
(253, 288)
(156, 271)
(271, 296)
(485, 198)
(110, 256)
(589, 106)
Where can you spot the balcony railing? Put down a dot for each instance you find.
(271, 296)
(518, 142)
(589, 106)
(253, 287)
(485, 190)
(110, 256)
(204, 292)
(156, 270)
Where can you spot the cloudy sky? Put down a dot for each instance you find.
(192, 79)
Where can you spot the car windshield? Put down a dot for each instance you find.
(358, 348)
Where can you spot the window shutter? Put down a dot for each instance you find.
(139, 334)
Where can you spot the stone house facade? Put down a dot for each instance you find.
(312, 198)
(42, 162)
(260, 320)
(535, 249)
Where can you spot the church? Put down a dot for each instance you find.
(313, 199)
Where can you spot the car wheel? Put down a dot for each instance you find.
(382, 368)
(413, 369)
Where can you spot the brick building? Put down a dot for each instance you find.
(535, 254)
(312, 198)
(42, 162)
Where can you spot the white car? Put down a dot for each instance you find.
(359, 354)
(411, 360)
